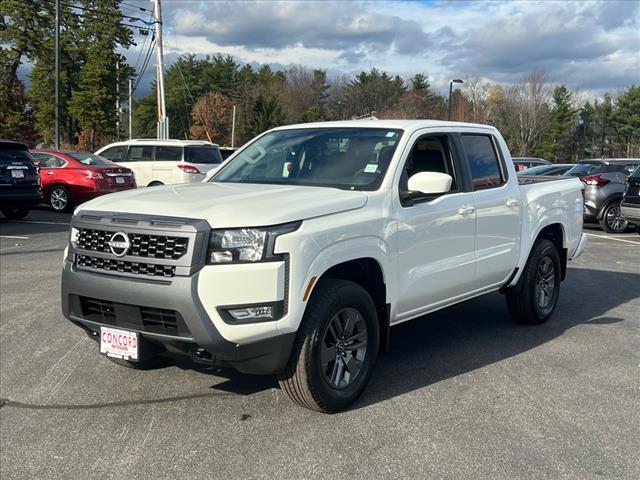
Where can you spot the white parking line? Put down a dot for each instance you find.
(613, 238)
(11, 236)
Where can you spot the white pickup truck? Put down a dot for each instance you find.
(301, 251)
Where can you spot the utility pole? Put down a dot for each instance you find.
(56, 134)
(118, 99)
(130, 110)
(233, 126)
(163, 121)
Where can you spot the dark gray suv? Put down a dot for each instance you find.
(604, 181)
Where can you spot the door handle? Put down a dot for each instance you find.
(512, 203)
(465, 210)
(49, 173)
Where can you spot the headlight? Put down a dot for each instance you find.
(245, 245)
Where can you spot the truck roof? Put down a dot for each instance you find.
(392, 124)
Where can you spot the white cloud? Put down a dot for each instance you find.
(589, 44)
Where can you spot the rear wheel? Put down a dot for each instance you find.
(336, 349)
(15, 213)
(155, 183)
(60, 199)
(537, 298)
(612, 221)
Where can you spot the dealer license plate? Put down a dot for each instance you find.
(119, 343)
(17, 173)
(119, 179)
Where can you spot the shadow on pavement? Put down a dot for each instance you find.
(480, 332)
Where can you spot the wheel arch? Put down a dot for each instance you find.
(616, 197)
(554, 232)
(369, 274)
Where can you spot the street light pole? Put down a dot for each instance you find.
(451, 82)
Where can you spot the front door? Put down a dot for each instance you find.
(435, 236)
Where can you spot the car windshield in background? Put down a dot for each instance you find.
(10, 154)
(583, 169)
(89, 158)
(204, 154)
(345, 158)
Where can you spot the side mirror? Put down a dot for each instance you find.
(430, 183)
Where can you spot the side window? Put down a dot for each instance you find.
(115, 154)
(140, 153)
(629, 169)
(46, 160)
(429, 154)
(483, 161)
(168, 154)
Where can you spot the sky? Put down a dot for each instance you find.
(592, 45)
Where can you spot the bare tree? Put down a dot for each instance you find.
(528, 102)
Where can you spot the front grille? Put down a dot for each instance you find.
(123, 266)
(99, 310)
(159, 319)
(133, 317)
(142, 245)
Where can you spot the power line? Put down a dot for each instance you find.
(144, 66)
(136, 7)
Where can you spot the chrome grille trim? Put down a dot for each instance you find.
(161, 247)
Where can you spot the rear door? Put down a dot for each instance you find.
(165, 166)
(50, 171)
(497, 201)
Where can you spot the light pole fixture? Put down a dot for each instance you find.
(451, 82)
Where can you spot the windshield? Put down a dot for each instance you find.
(89, 158)
(204, 154)
(583, 169)
(346, 158)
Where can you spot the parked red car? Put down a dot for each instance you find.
(71, 178)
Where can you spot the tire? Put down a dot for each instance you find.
(530, 305)
(155, 183)
(611, 222)
(15, 213)
(329, 387)
(60, 199)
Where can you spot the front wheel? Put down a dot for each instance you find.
(15, 213)
(612, 221)
(537, 298)
(336, 348)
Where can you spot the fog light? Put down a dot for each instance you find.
(255, 313)
(250, 313)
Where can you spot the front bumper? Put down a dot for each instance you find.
(201, 340)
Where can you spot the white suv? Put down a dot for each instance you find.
(164, 162)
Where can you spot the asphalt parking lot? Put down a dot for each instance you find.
(463, 393)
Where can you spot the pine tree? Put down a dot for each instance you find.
(626, 118)
(556, 139)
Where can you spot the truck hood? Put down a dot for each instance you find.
(231, 204)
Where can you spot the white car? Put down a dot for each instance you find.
(297, 256)
(164, 162)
